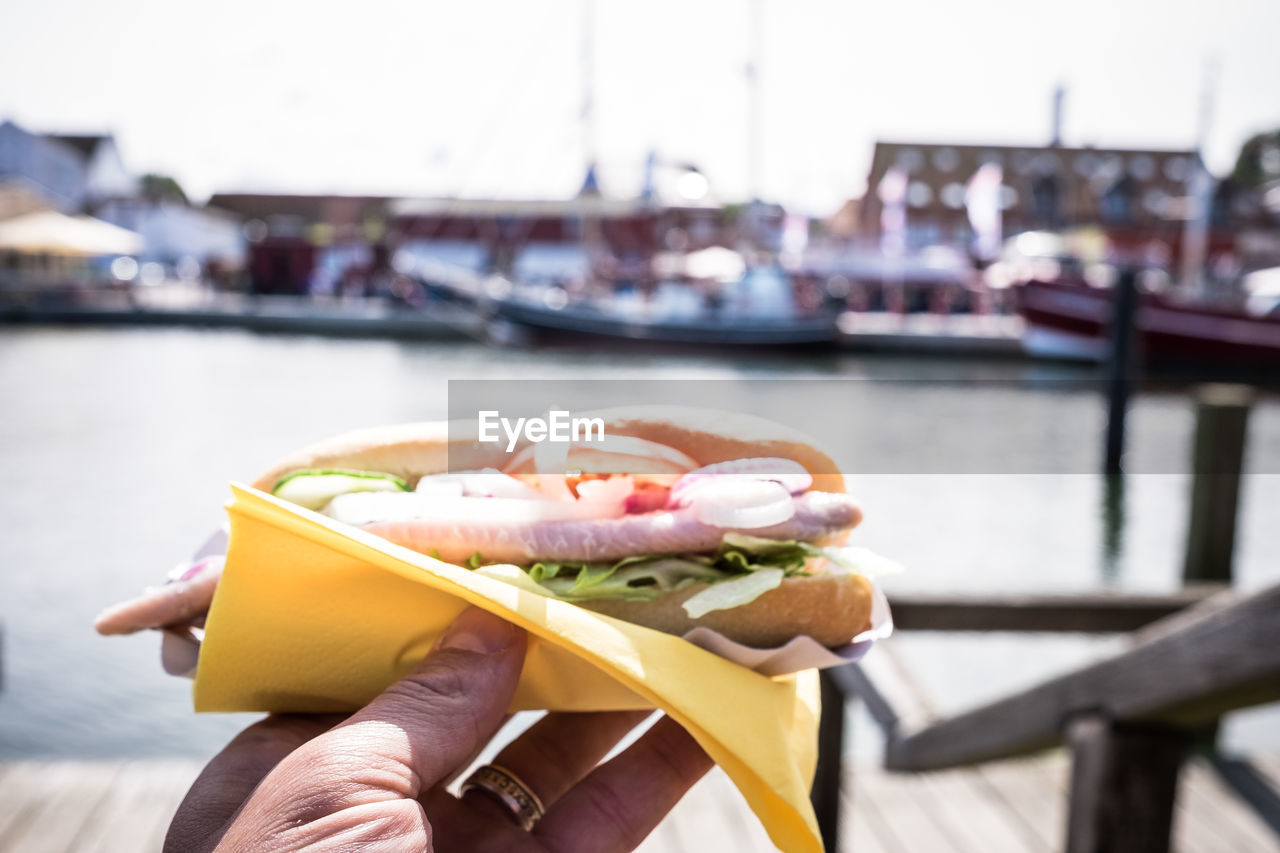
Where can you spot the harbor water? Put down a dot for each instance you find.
(117, 446)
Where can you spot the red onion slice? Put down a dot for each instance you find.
(742, 505)
(789, 474)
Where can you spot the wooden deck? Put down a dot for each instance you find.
(56, 806)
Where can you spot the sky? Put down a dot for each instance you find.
(485, 99)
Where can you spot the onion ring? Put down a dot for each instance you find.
(740, 505)
(789, 474)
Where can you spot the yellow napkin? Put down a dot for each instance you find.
(311, 615)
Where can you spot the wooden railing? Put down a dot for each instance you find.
(1128, 720)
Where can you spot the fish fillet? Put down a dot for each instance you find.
(818, 514)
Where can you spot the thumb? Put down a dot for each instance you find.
(437, 716)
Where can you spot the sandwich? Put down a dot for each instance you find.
(671, 518)
(668, 517)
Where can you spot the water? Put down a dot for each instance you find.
(117, 446)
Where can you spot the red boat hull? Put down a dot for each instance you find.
(1071, 320)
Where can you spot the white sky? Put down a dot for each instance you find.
(484, 98)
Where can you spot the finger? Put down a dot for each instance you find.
(420, 729)
(619, 803)
(232, 775)
(180, 601)
(471, 759)
(557, 751)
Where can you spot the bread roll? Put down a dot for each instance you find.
(830, 607)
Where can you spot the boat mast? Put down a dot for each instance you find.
(588, 93)
(589, 194)
(753, 102)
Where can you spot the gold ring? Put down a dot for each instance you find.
(510, 790)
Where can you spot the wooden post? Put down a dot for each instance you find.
(1112, 525)
(826, 781)
(1123, 782)
(1119, 366)
(1222, 414)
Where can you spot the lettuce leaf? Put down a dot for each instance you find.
(741, 590)
(742, 553)
(639, 580)
(754, 552)
(745, 566)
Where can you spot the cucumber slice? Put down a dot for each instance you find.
(314, 489)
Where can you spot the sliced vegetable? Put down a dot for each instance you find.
(757, 551)
(609, 494)
(614, 454)
(315, 489)
(742, 569)
(743, 589)
(788, 473)
(743, 504)
(515, 576)
(643, 580)
(648, 497)
(861, 561)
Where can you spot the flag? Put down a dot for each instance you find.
(893, 215)
(982, 201)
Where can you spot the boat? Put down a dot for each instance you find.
(1069, 319)
(675, 314)
(721, 305)
(705, 329)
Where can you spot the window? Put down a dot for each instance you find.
(1117, 201)
(1176, 168)
(953, 195)
(946, 159)
(1142, 167)
(919, 194)
(1046, 199)
(909, 160)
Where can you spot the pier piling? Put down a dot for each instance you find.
(1120, 367)
(1222, 415)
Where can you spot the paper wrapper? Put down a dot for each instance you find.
(314, 616)
(802, 652)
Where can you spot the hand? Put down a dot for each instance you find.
(377, 780)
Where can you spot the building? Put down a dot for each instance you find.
(105, 175)
(319, 244)
(52, 169)
(1138, 196)
(324, 244)
(176, 234)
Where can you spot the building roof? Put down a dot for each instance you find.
(329, 209)
(477, 208)
(84, 143)
(343, 210)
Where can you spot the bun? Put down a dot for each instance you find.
(409, 451)
(414, 450)
(831, 608)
